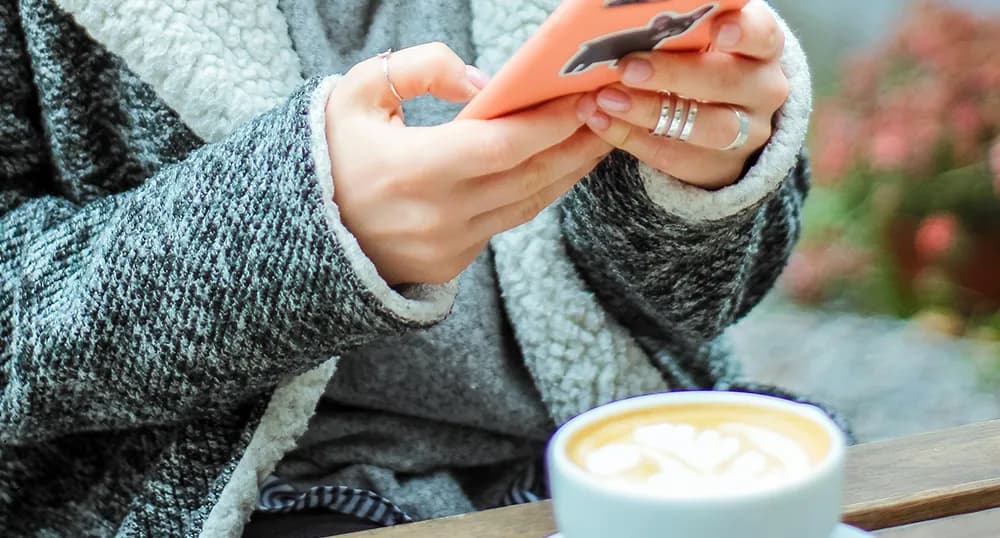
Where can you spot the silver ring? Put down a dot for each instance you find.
(744, 134)
(388, 77)
(666, 115)
(689, 122)
(683, 106)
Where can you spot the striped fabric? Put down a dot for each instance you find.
(278, 496)
(528, 488)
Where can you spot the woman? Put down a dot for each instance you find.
(233, 280)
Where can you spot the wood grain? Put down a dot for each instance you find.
(525, 521)
(976, 525)
(888, 484)
(925, 477)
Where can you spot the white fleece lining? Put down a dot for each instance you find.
(218, 63)
(775, 162)
(293, 404)
(578, 356)
(285, 420)
(422, 304)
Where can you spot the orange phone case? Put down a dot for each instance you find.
(578, 47)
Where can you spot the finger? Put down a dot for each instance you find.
(752, 32)
(715, 126)
(432, 69)
(510, 216)
(704, 167)
(712, 76)
(482, 194)
(473, 148)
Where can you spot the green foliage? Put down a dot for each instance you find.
(905, 218)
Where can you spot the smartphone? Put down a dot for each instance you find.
(578, 47)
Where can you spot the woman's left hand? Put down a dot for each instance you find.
(742, 71)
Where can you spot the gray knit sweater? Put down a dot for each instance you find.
(178, 293)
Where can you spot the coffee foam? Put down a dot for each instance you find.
(701, 450)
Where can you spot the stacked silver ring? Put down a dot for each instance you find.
(677, 118)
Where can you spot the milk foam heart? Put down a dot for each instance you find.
(692, 451)
(680, 457)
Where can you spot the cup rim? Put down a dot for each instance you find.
(830, 463)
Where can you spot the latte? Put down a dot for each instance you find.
(699, 449)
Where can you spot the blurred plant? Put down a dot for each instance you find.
(905, 216)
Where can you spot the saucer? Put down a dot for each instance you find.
(842, 531)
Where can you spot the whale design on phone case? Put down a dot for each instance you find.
(578, 47)
(613, 47)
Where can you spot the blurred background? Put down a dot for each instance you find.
(890, 307)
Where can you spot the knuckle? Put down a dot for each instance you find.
(530, 208)
(775, 37)
(534, 176)
(431, 224)
(439, 51)
(430, 255)
(496, 149)
(399, 186)
(622, 138)
(778, 89)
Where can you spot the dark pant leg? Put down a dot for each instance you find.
(306, 524)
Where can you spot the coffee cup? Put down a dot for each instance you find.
(698, 465)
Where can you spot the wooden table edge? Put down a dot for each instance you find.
(924, 505)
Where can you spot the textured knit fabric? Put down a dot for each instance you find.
(381, 405)
(176, 287)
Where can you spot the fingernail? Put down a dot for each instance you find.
(614, 100)
(729, 35)
(637, 71)
(476, 77)
(599, 121)
(585, 108)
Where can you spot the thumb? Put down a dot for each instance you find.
(432, 69)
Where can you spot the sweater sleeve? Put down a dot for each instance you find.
(678, 263)
(209, 282)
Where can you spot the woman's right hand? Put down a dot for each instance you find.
(424, 201)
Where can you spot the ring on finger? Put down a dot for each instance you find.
(689, 121)
(744, 133)
(677, 117)
(384, 56)
(667, 111)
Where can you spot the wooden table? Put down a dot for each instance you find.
(937, 485)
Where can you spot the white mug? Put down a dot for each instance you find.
(805, 507)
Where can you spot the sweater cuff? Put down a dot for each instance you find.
(776, 161)
(421, 304)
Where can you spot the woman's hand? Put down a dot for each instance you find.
(423, 201)
(741, 70)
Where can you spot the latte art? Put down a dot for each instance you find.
(681, 458)
(695, 451)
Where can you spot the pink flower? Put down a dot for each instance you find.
(813, 268)
(995, 164)
(835, 150)
(803, 278)
(890, 148)
(966, 124)
(936, 235)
